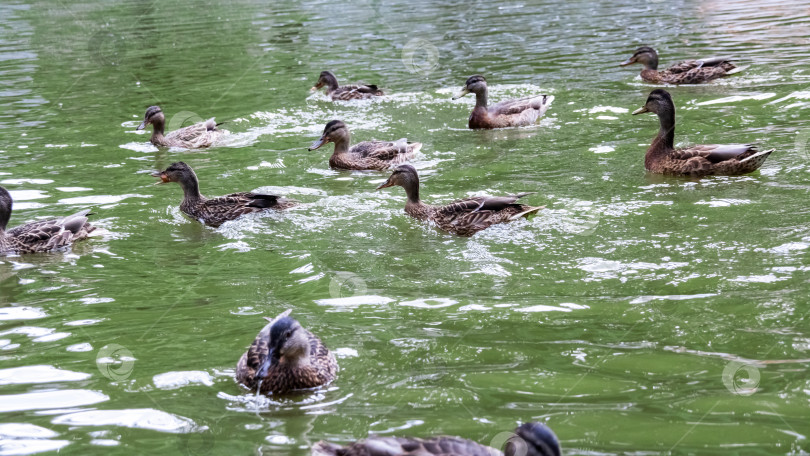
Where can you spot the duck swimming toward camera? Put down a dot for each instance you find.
(197, 136)
(42, 236)
(510, 113)
(529, 439)
(284, 358)
(216, 211)
(686, 72)
(378, 155)
(347, 92)
(463, 217)
(698, 160)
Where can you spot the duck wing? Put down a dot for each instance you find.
(398, 150)
(519, 112)
(52, 234)
(715, 153)
(402, 446)
(356, 91)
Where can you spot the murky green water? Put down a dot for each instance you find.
(635, 315)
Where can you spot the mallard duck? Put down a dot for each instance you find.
(216, 211)
(698, 160)
(686, 72)
(510, 113)
(379, 155)
(463, 217)
(347, 92)
(199, 135)
(43, 236)
(529, 439)
(285, 357)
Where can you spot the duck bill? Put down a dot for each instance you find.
(385, 184)
(141, 126)
(460, 94)
(629, 61)
(316, 87)
(317, 144)
(264, 367)
(641, 110)
(160, 175)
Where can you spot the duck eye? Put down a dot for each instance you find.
(288, 334)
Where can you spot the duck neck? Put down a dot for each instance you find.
(666, 134)
(651, 63)
(191, 189)
(5, 210)
(342, 144)
(412, 190)
(331, 82)
(481, 98)
(157, 131)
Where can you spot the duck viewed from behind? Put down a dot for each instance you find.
(510, 113)
(216, 211)
(347, 92)
(284, 358)
(686, 72)
(378, 155)
(43, 236)
(529, 439)
(199, 135)
(698, 160)
(463, 217)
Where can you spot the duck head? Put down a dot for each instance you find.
(532, 439)
(176, 172)
(287, 344)
(658, 102)
(326, 78)
(644, 55)
(335, 132)
(404, 176)
(154, 116)
(475, 84)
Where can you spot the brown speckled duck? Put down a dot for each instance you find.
(347, 92)
(463, 217)
(284, 358)
(379, 155)
(197, 136)
(686, 72)
(216, 211)
(42, 236)
(529, 439)
(698, 160)
(510, 113)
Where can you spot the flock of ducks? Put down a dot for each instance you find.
(285, 357)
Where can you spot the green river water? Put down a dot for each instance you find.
(636, 314)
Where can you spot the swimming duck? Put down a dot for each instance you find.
(216, 211)
(686, 72)
(379, 155)
(43, 236)
(463, 217)
(529, 439)
(510, 113)
(698, 160)
(199, 135)
(347, 92)
(285, 357)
